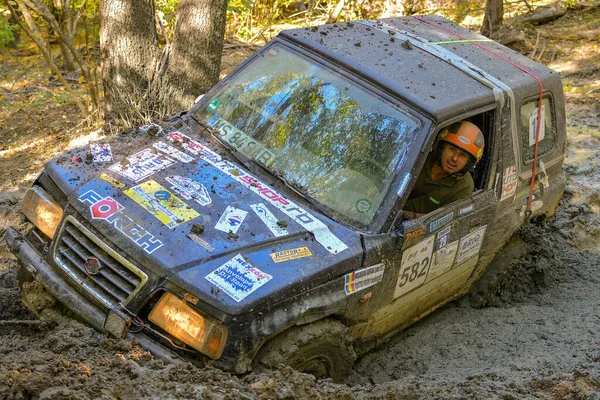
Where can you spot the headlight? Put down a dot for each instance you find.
(204, 334)
(42, 210)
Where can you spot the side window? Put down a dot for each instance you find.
(529, 111)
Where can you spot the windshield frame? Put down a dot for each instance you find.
(383, 217)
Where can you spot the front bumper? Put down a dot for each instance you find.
(30, 259)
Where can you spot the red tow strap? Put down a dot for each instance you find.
(539, 116)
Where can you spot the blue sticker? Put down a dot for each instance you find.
(443, 237)
(435, 225)
(162, 195)
(404, 184)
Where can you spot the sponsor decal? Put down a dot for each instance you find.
(363, 278)
(525, 193)
(535, 205)
(214, 104)
(464, 140)
(268, 219)
(158, 201)
(363, 206)
(533, 124)
(108, 209)
(443, 237)
(443, 260)
(107, 178)
(101, 152)
(231, 220)
(173, 152)
(470, 245)
(141, 165)
(414, 267)
(438, 223)
(189, 189)
(291, 254)
(415, 233)
(465, 210)
(201, 242)
(237, 278)
(322, 234)
(403, 184)
(509, 182)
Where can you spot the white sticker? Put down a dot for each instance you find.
(322, 234)
(141, 165)
(403, 184)
(532, 125)
(173, 152)
(470, 245)
(269, 219)
(189, 189)
(231, 220)
(535, 205)
(237, 278)
(414, 267)
(443, 260)
(465, 210)
(509, 182)
(101, 152)
(363, 278)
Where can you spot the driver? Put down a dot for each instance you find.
(445, 176)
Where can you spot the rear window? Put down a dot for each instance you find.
(529, 111)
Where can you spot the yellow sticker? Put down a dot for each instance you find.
(111, 180)
(164, 205)
(291, 254)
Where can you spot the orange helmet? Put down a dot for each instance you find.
(466, 136)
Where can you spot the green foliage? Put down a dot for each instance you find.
(570, 3)
(6, 32)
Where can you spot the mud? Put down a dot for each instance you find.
(532, 330)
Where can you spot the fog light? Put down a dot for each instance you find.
(117, 324)
(42, 210)
(203, 333)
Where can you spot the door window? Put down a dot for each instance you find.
(529, 111)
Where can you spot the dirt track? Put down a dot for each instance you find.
(539, 339)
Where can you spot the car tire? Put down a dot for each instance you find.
(322, 348)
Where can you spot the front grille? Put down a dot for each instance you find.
(117, 280)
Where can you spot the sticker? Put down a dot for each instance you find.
(465, 210)
(414, 267)
(243, 143)
(363, 278)
(465, 140)
(214, 104)
(173, 152)
(291, 254)
(470, 245)
(107, 178)
(237, 278)
(443, 260)
(509, 182)
(443, 237)
(201, 242)
(415, 233)
(525, 193)
(268, 219)
(363, 205)
(141, 165)
(158, 201)
(403, 184)
(189, 189)
(101, 152)
(535, 205)
(108, 209)
(272, 52)
(438, 223)
(322, 234)
(231, 220)
(532, 125)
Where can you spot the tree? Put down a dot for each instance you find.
(492, 20)
(143, 81)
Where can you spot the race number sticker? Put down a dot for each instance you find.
(363, 278)
(268, 219)
(231, 220)
(237, 278)
(164, 205)
(470, 245)
(509, 182)
(414, 267)
(173, 152)
(141, 165)
(533, 123)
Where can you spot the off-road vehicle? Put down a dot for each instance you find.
(264, 225)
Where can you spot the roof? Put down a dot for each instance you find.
(401, 55)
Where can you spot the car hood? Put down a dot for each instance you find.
(175, 207)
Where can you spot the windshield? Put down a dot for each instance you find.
(327, 137)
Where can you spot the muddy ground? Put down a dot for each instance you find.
(538, 335)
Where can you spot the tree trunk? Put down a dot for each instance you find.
(494, 12)
(141, 81)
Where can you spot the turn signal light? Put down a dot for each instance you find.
(42, 210)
